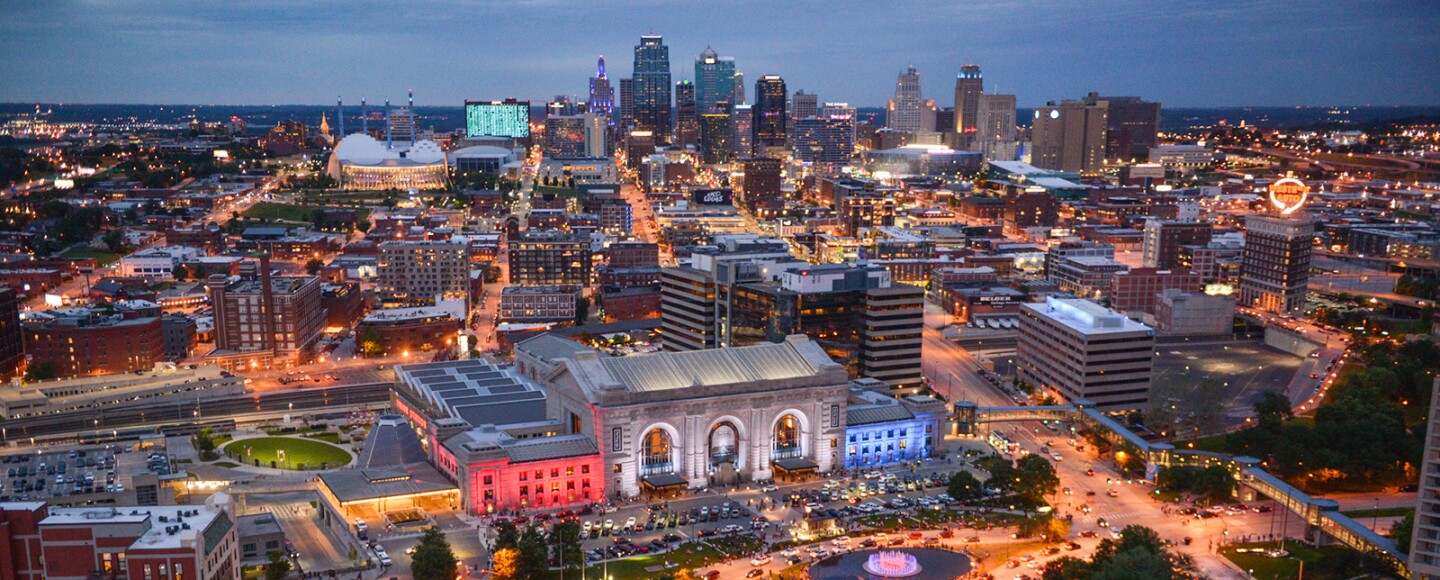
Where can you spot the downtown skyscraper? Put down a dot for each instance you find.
(769, 121)
(687, 118)
(969, 85)
(714, 80)
(651, 87)
(602, 97)
(905, 109)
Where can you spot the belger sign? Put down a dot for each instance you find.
(1288, 195)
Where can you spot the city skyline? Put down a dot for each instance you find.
(161, 53)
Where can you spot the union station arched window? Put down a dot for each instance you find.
(724, 444)
(787, 438)
(655, 453)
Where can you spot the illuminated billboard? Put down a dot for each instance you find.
(507, 118)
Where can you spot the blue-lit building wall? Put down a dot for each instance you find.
(881, 444)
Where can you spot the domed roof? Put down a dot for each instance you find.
(362, 149)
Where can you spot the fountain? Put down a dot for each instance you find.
(892, 564)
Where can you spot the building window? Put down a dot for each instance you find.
(584, 469)
(487, 480)
(569, 470)
(554, 472)
(616, 469)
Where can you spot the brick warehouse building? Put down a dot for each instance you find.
(171, 542)
(80, 342)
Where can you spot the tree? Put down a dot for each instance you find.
(1272, 404)
(433, 559)
(1003, 474)
(370, 342)
(506, 535)
(278, 567)
(507, 564)
(313, 266)
(565, 545)
(43, 371)
(180, 272)
(1066, 568)
(114, 240)
(964, 486)
(204, 442)
(582, 310)
(533, 560)
(1401, 531)
(1035, 478)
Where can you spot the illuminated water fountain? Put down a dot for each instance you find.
(890, 564)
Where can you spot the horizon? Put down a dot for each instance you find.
(1226, 54)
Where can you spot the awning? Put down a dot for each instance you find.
(794, 465)
(663, 481)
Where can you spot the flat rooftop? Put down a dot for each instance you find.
(476, 391)
(1085, 317)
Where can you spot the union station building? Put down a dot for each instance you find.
(671, 421)
(567, 425)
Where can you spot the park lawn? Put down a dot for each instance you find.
(227, 464)
(292, 213)
(103, 257)
(688, 556)
(1390, 512)
(559, 191)
(1264, 567)
(299, 452)
(884, 522)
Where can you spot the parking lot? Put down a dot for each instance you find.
(1228, 376)
(81, 476)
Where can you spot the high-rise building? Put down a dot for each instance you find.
(715, 134)
(402, 121)
(638, 146)
(627, 103)
(738, 93)
(804, 105)
(1069, 136)
(741, 139)
(762, 191)
(904, 112)
(861, 317)
(12, 353)
(652, 87)
(826, 141)
(1132, 125)
(565, 135)
(561, 106)
(1424, 548)
(769, 120)
(424, 270)
(507, 118)
(263, 320)
(550, 258)
(687, 115)
(1275, 266)
(1081, 351)
(714, 80)
(602, 96)
(969, 86)
(995, 128)
(1163, 238)
(841, 111)
(597, 137)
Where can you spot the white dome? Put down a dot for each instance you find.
(362, 149)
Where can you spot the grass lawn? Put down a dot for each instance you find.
(1265, 567)
(299, 453)
(226, 464)
(738, 546)
(560, 191)
(1390, 512)
(103, 257)
(290, 212)
(690, 556)
(326, 437)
